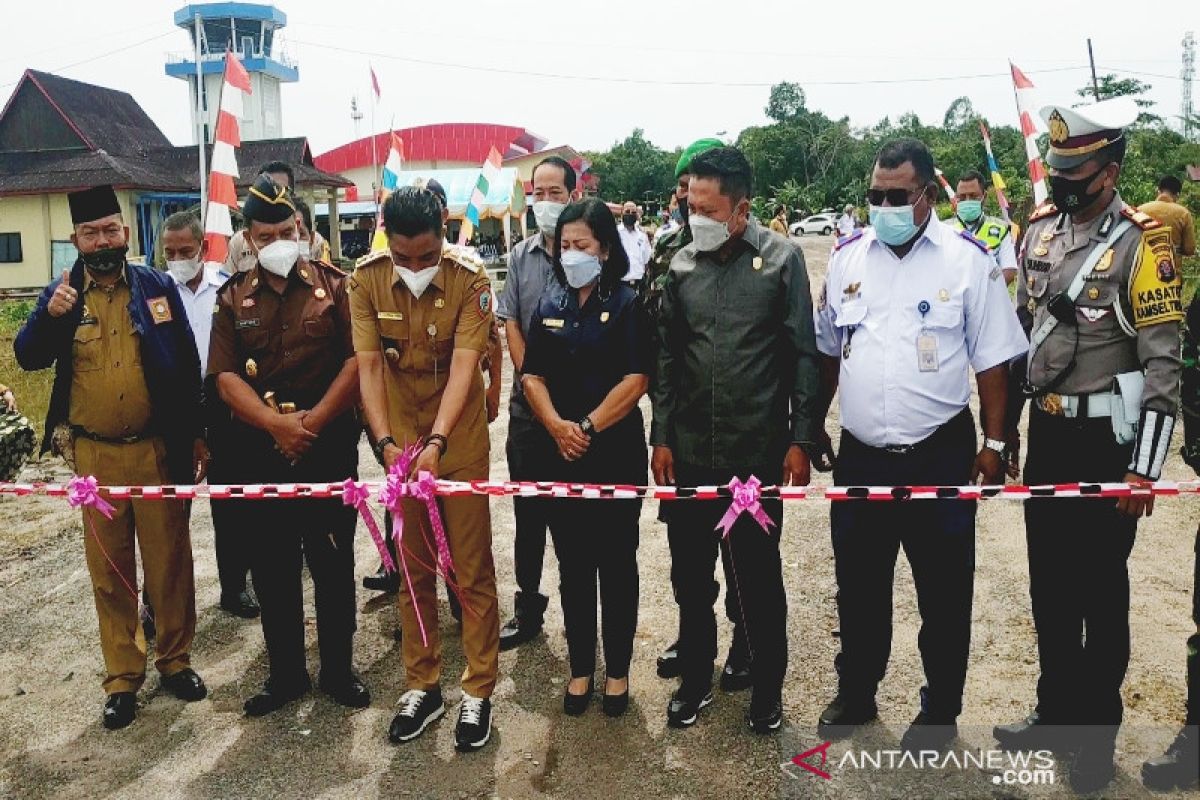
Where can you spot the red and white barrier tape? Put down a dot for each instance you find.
(445, 488)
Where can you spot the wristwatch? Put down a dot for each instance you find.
(586, 425)
(996, 446)
(381, 445)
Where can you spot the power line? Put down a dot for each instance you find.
(654, 82)
(90, 59)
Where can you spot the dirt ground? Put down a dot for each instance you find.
(52, 743)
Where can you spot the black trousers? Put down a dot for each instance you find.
(596, 541)
(755, 579)
(679, 537)
(283, 535)
(1078, 575)
(529, 449)
(938, 537)
(1193, 653)
(229, 527)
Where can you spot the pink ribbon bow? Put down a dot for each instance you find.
(85, 492)
(746, 499)
(356, 495)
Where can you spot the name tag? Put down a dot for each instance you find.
(88, 321)
(395, 316)
(242, 324)
(927, 352)
(553, 323)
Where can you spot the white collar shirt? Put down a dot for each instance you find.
(845, 225)
(199, 307)
(637, 248)
(870, 317)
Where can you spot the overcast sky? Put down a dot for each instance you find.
(680, 70)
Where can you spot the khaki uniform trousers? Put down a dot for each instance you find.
(161, 528)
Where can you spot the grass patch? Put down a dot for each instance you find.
(32, 389)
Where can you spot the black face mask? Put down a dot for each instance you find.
(105, 260)
(629, 219)
(1072, 194)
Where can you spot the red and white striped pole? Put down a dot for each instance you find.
(1026, 103)
(222, 194)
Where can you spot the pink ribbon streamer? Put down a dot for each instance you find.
(425, 490)
(746, 500)
(85, 493)
(356, 494)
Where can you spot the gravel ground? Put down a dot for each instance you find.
(52, 743)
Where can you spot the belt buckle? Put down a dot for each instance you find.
(1052, 404)
(898, 449)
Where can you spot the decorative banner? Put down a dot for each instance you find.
(391, 171)
(1026, 107)
(222, 195)
(489, 173)
(941, 176)
(997, 179)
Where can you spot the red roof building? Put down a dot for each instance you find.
(442, 145)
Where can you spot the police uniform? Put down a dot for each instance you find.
(289, 345)
(904, 349)
(418, 337)
(1105, 387)
(128, 385)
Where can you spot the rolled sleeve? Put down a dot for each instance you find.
(364, 331)
(993, 332)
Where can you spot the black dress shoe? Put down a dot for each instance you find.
(765, 718)
(186, 685)
(845, 714)
(240, 605)
(928, 733)
(349, 691)
(526, 623)
(382, 581)
(668, 662)
(1179, 767)
(615, 705)
(575, 704)
(275, 695)
(1035, 733)
(735, 675)
(119, 710)
(1093, 767)
(684, 708)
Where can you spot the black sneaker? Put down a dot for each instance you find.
(844, 714)
(685, 705)
(766, 720)
(119, 710)
(1179, 767)
(668, 662)
(417, 710)
(474, 726)
(382, 581)
(928, 733)
(735, 675)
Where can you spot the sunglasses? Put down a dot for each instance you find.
(894, 197)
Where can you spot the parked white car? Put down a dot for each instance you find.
(817, 223)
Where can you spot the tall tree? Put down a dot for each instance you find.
(786, 102)
(1111, 86)
(634, 169)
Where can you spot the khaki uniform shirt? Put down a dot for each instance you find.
(418, 337)
(109, 396)
(1127, 316)
(1178, 219)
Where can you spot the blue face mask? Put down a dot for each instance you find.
(893, 224)
(970, 210)
(580, 268)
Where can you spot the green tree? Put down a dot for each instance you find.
(1111, 86)
(634, 169)
(786, 102)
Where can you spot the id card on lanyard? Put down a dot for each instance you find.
(927, 344)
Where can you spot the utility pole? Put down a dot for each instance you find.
(1188, 72)
(355, 114)
(201, 119)
(1092, 61)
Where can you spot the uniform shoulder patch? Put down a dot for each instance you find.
(1043, 211)
(970, 237)
(1156, 287)
(372, 258)
(1140, 218)
(848, 239)
(465, 257)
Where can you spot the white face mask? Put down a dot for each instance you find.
(417, 282)
(279, 256)
(708, 234)
(581, 268)
(183, 271)
(547, 212)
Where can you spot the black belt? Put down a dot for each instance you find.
(78, 431)
(933, 438)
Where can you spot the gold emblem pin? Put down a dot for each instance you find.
(1052, 404)
(1046, 236)
(1040, 251)
(943, 295)
(432, 329)
(304, 274)
(1093, 293)
(254, 282)
(757, 263)
(319, 293)
(1031, 305)
(392, 354)
(852, 289)
(1105, 262)
(1059, 132)
(604, 316)
(439, 303)
(251, 367)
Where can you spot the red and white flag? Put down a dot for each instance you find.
(374, 81)
(222, 194)
(1030, 126)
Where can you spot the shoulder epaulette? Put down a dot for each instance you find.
(1140, 218)
(374, 257)
(1043, 211)
(465, 257)
(847, 239)
(970, 237)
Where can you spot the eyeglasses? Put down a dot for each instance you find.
(894, 197)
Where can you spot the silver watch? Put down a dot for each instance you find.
(996, 445)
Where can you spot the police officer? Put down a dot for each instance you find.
(735, 674)
(422, 317)
(1179, 766)
(127, 382)
(994, 232)
(1101, 284)
(733, 397)
(899, 353)
(281, 359)
(529, 447)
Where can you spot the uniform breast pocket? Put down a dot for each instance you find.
(1036, 284)
(318, 328)
(393, 339)
(251, 335)
(1096, 301)
(87, 352)
(945, 322)
(849, 313)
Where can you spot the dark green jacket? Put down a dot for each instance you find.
(737, 363)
